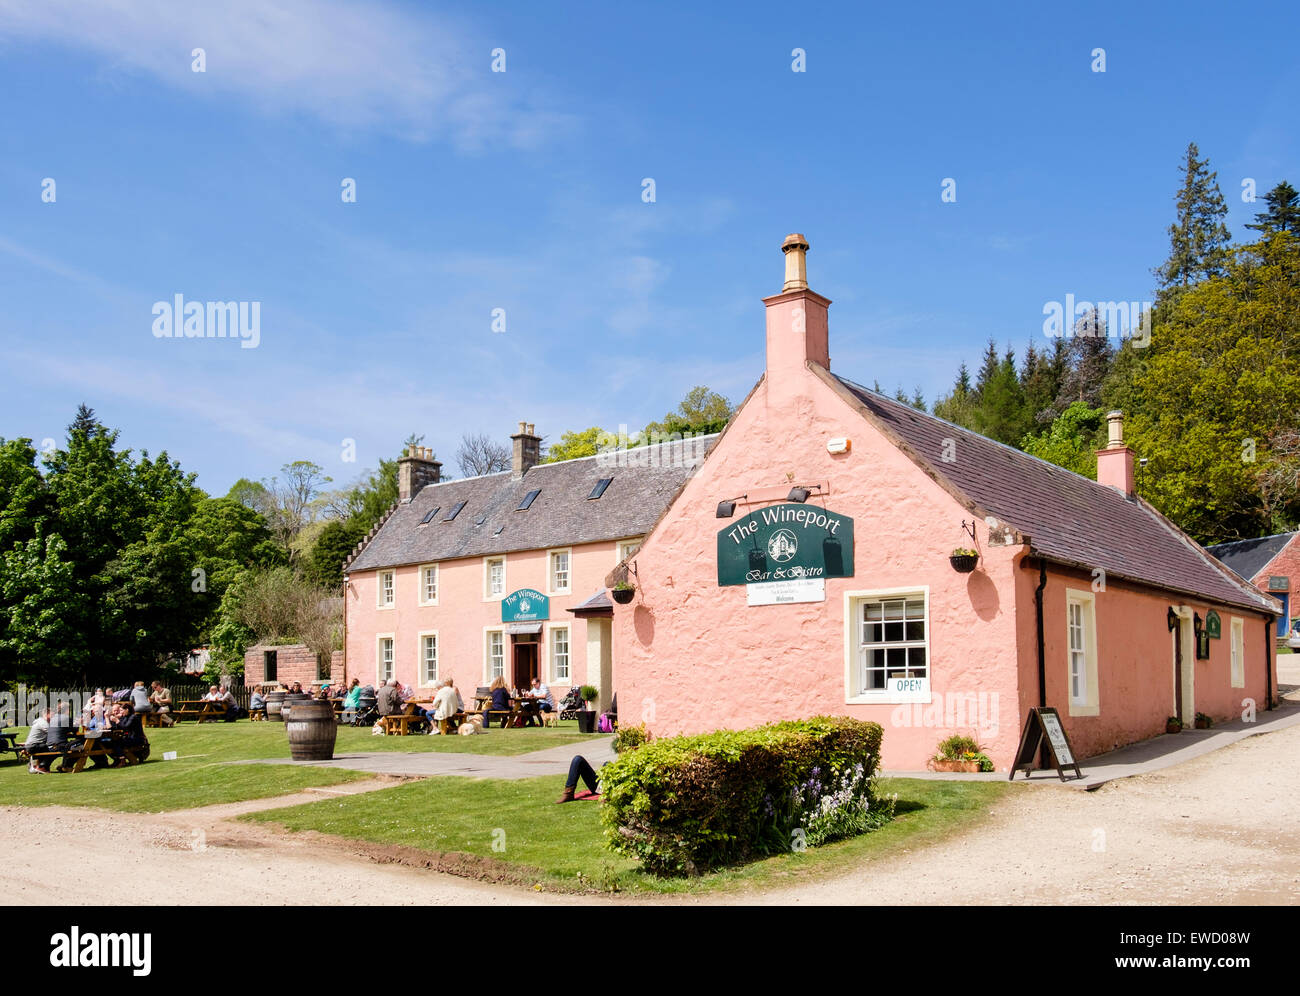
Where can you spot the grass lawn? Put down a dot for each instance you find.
(549, 845)
(199, 776)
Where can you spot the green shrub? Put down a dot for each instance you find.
(630, 737)
(688, 804)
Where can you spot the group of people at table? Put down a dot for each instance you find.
(393, 699)
(55, 733)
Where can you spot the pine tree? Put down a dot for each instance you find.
(1283, 214)
(1088, 357)
(1198, 237)
(85, 421)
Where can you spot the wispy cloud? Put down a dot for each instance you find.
(364, 66)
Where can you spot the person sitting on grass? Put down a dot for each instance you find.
(37, 739)
(579, 768)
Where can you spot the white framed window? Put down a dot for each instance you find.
(887, 646)
(428, 584)
(494, 578)
(428, 659)
(1081, 652)
(1237, 637)
(628, 548)
(384, 657)
(559, 572)
(495, 654)
(560, 670)
(386, 588)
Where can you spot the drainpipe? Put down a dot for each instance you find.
(1269, 658)
(1042, 651)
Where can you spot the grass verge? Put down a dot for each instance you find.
(515, 832)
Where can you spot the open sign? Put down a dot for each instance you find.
(908, 688)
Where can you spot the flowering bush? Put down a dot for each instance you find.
(687, 804)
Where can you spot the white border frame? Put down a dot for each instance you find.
(419, 657)
(505, 585)
(1092, 705)
(505, 653)
(379, 677)
(379, 589)
(550, 571)
(555, 679)
(619, 544)
(437, 583)
(1237, 651)
(882, 696)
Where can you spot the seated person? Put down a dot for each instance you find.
(352, 701)
(140, 702)
(500, 702)
(257, 701)
(37, 739)
(542, 693)
(231, 704)
(128, 734)
(389, 699)
(161, 698)
(446, 705)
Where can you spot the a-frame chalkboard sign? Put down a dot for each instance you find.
(1041, 724)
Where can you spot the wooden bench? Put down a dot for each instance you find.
(201, 710)
(153, 718)
(75, 759)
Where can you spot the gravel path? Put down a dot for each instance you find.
(1216, 830)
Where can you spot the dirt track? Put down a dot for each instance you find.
(1218, 830)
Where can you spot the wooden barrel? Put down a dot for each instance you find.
(291, 701)
(311, 731)
(274, 702)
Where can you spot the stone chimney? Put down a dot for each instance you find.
(415, 470)
(527, 451)
(797, 320)
(1115, 462)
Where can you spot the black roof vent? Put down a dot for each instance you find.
(528, 500)
(455, 511)
(600, 487)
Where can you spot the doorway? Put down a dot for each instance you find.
(1185, 667)
(525, 660)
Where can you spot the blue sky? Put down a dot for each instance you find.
(522, 190)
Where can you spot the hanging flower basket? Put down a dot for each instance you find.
(623, 595)
(964, 561)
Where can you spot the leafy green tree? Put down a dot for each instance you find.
(573, 445)
(1221, 378)
(333, 546)
(1072, 440)
(958, 406)
(1198, 237)
(1283, 214)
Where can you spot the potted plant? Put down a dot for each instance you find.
(1173, 725)
(587, 716)
(1203, 722)
(623, 592)
(958, 753)
(963, 560)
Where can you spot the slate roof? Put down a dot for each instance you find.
(561, 515)
(1249, 557)
(1066, 518)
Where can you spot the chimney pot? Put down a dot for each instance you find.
(795, 248)
(1115, 429)
(527, 450)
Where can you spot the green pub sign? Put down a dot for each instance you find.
(1213, 625)
(525, 605)
(786, 543)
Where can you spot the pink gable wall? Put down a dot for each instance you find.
(690, 656)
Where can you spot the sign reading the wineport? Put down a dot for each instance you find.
(786, 543)
(525, 605)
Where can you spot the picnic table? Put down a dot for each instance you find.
(524, 709)
(200, 709)
(108, 747)
(9, 743)
(399, 724)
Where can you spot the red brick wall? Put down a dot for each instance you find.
(1285, 564)
(294, 662)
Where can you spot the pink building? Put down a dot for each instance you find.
(505, 574)
(805, 569)
(1271, 564)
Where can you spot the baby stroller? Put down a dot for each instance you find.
(571, 705)
(367, 708)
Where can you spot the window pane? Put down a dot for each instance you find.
(894, 632)
(916, 631)
(894, 609)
